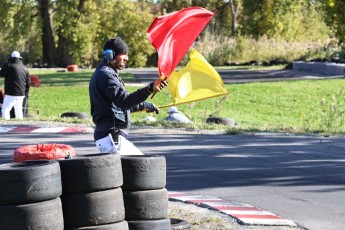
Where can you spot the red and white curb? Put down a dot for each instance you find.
(244, 213)
(30, 129)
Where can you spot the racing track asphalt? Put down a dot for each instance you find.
(235, 76)
(299, 178)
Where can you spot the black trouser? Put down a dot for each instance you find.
(115, 135)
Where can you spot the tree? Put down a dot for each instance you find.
(226, 15)
(283, 19)
(18, 29)
(129, 20)
(74, 31)
(62, 32)
(334, 16)
(50, 30)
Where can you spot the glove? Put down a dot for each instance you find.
(148, 107)
(157, 85)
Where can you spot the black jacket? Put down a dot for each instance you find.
(17, 79)
(110, 102)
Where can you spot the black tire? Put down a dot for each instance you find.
(143, 172)
(29, 181)
(75, 115)
(39, 215)
(178, 224)
(91, 173)
(122, 225)
(146, 205)
(90, 209)
(221, 120)
(160, 224)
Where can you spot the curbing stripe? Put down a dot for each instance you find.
(222, 203)
(258, 215)
(25, 129)
(30, 129)
(271, 222)
(48, 130)
(225, 208)
(5, 129)
(73, 130)
(244, 213)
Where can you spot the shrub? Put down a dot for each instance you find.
(219, 50)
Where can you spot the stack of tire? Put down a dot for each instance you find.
(92, 197)
(144, 194)
(29, 195)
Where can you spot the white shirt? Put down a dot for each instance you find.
(178, 117)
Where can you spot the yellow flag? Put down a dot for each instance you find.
(197, 81)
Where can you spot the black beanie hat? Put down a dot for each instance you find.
(117, 45)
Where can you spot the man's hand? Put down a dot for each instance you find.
(148, 107)
(157, 85)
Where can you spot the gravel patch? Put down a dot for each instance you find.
(205, 219)
(200, 218)
(33, 123)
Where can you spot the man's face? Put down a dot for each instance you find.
(120, 61)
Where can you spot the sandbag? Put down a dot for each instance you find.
(43, 152)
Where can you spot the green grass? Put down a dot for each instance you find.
(313, 106)
(50, 77)
(292, 106)
(61, 92)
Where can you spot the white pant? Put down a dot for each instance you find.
(9, 103)
(124, 147)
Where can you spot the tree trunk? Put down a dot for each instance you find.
(234, 11)
(63, 58)
(48, 43)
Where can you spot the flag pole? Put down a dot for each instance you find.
(186, 102)
(153, 95)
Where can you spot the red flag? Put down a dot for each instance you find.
(173, 34)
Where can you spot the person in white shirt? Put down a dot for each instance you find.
(176, 116)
